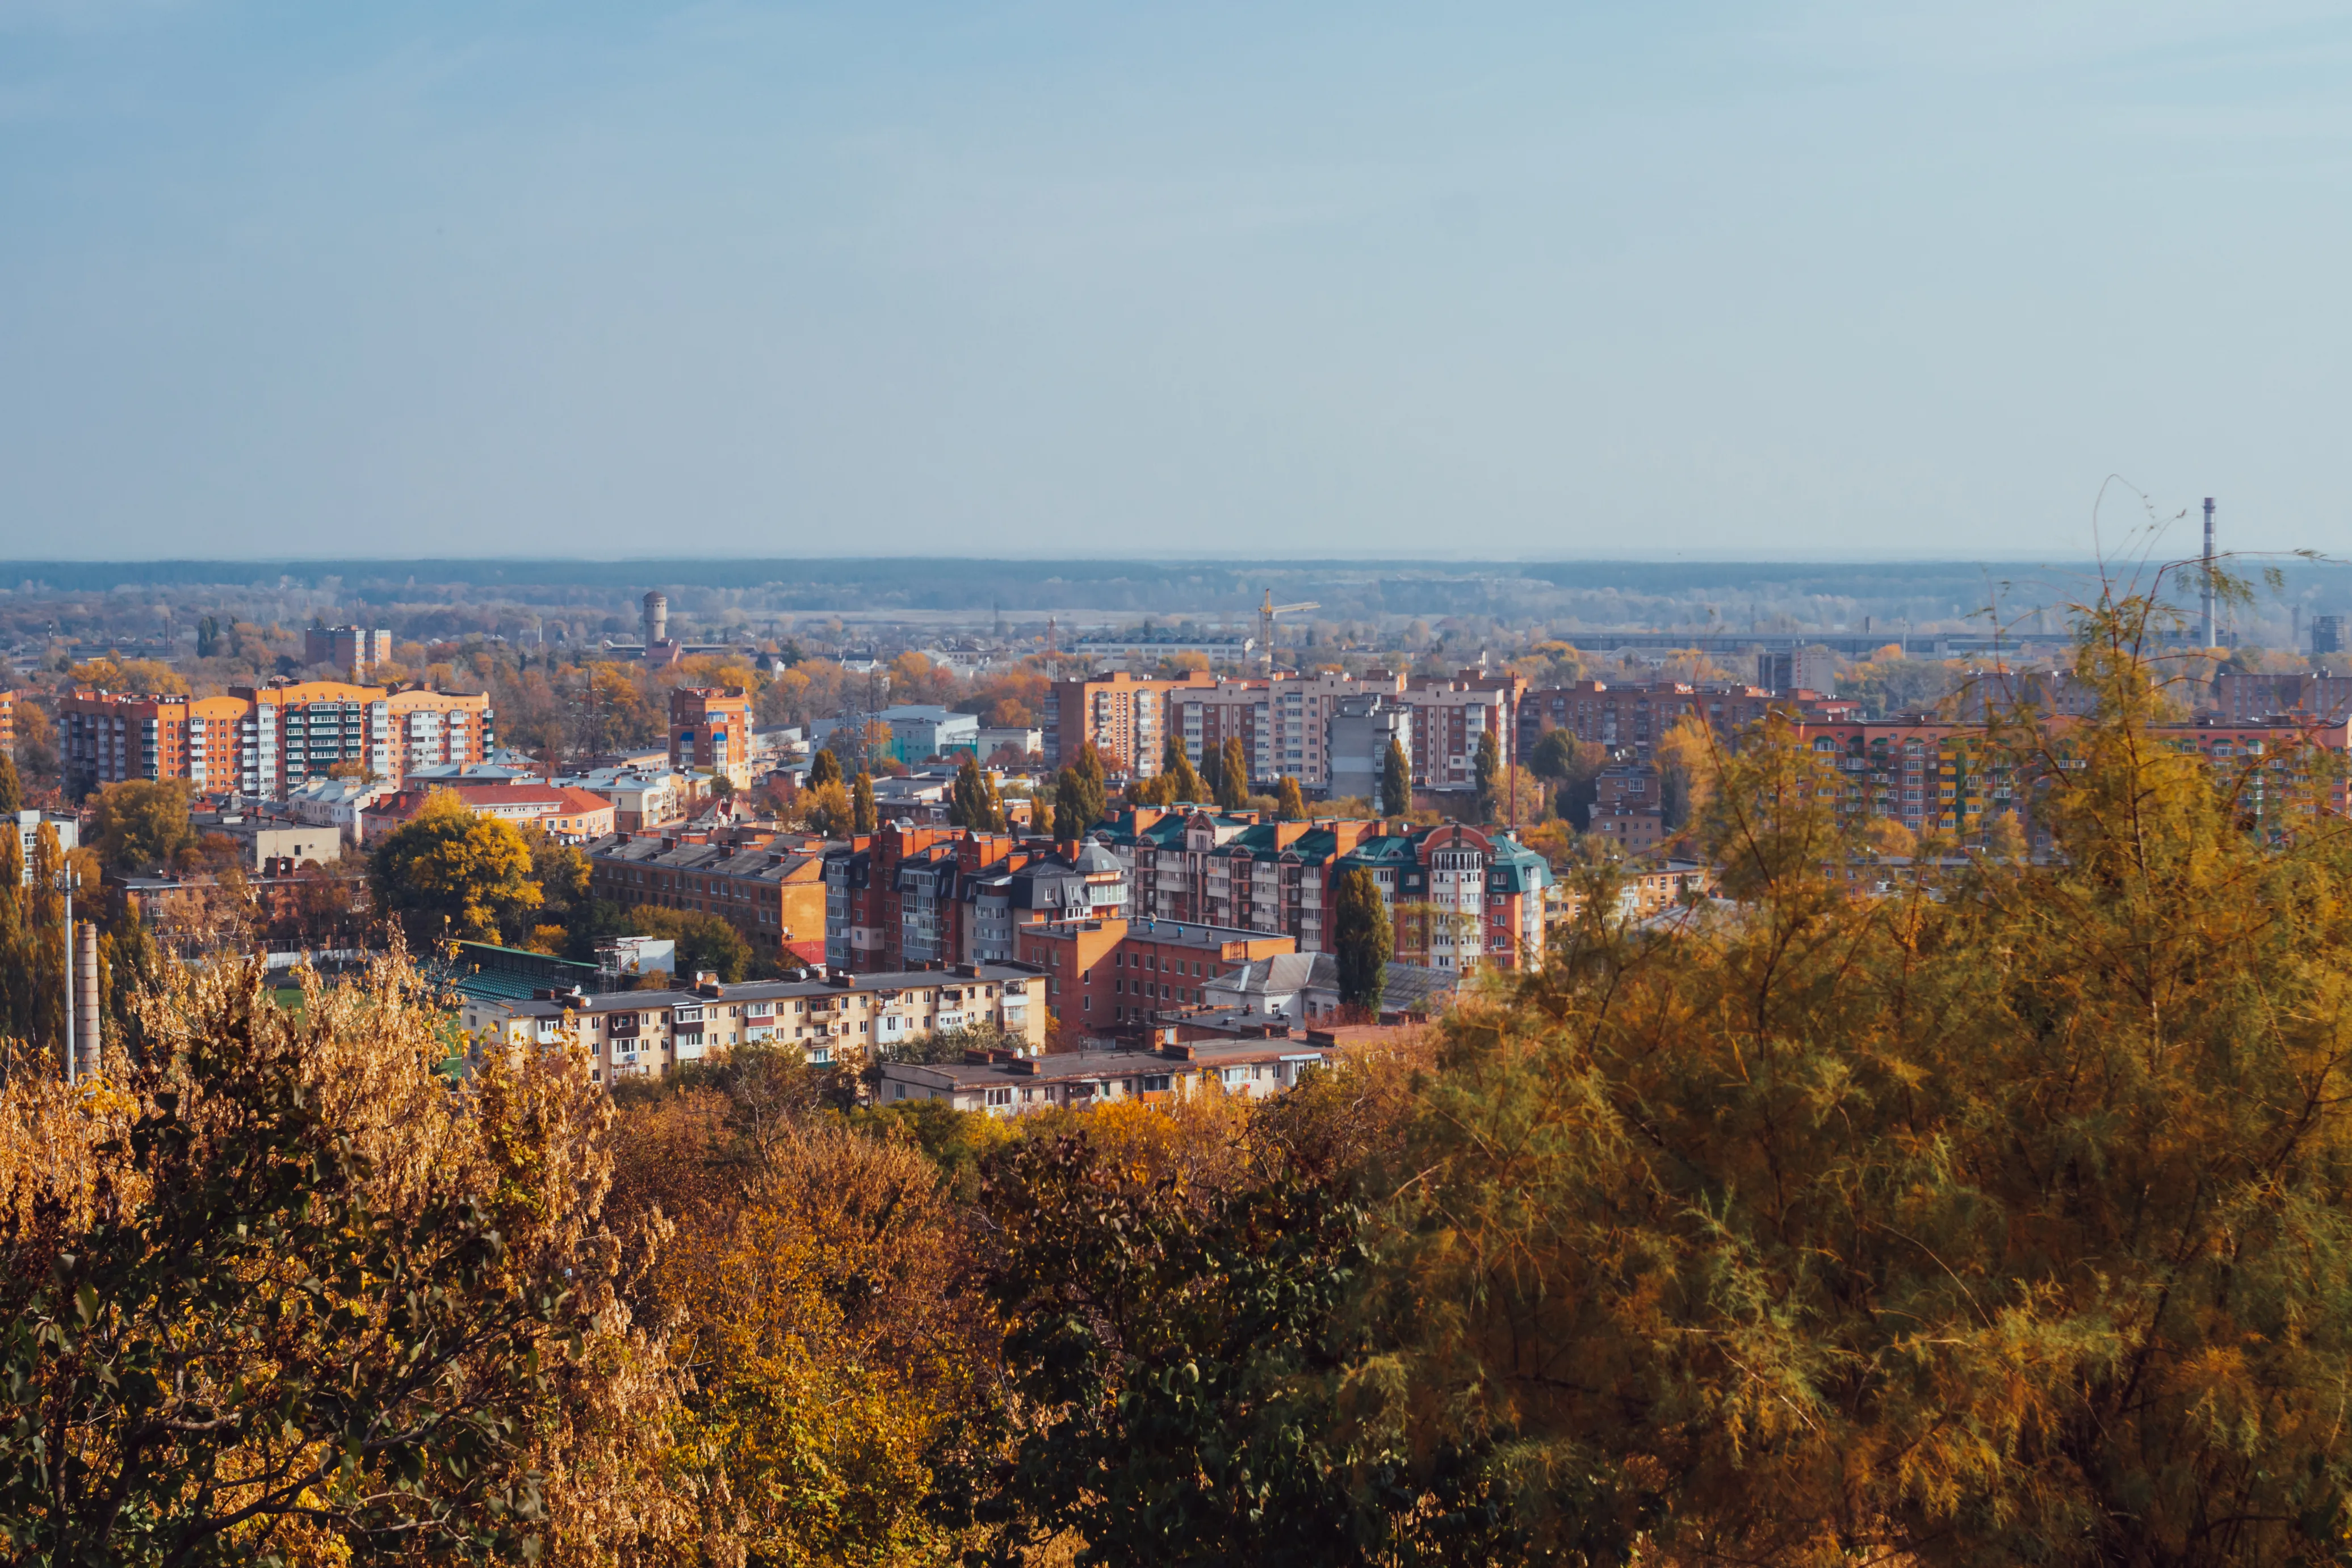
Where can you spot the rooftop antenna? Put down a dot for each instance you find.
(2208, 593)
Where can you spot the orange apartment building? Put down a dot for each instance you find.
(710, 731)
(265, 739)
(7, 721)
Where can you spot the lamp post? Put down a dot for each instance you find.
(66, 881)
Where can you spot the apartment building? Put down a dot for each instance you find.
(8, 721)
(710, 732)
(1124, 717)
(838, 1020)
(2238, 697)
(264, 739)
(1636, 718)
(1232, 870)
(1629, 807)
(1005, 1084)
(355, 649)
(1107, 973)
(1933, 776)
(771, 888)
(914, 893)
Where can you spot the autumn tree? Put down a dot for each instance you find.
(1232, 775)
(1184, 783)
(1290, 803)
(2004, 1221)
(1361, 938)
(276, 1301)
(12, 788)
(447, 873)
(1486, 766)
(974, 804)
(863, 815)
(144, 822)
(824, 768)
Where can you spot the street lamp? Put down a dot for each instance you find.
(67, 882)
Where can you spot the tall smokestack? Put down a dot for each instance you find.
(86, 1000)
(2209, 571)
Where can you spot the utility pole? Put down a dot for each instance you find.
(91, 1065)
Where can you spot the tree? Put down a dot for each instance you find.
(1290, 803)
(1041, 812)
(1184, 784)
(705, 941)
(1080, 799)
(447, 874)
(144, 822)
(826, 809)
(1486, 768)
(1232, 775)
(1362, 939)
(1396, 780)
(282, 1302)
(824, 768)
(861, 815)
(1212, 774)
(12, 789)
(2008, 1220)
(974, 804)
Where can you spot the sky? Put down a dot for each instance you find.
(1859, 278)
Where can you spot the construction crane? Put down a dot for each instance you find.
(1266, 614)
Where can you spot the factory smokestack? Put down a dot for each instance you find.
(2209, 571)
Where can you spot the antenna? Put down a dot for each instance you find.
(2208, 596)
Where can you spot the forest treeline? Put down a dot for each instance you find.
(2008, 1219)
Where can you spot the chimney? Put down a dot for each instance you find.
(2207, 595)
(86, 1045)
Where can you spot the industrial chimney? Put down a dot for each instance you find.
(658, 610)
(2209, 571)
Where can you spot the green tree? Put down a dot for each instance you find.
(824, 768)
(1176, 1362)
(1081, 798)
(447, 874)
(1290, 801)
(142, 823)
(1396, 780)
(862, 814)
(1361, 939)
(1232, 775)
(1184, 784)
(1212, 774)
(705, 941)
(1486, 768)
(2003, 1220)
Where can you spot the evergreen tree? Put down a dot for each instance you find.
(824, 768)
(1290, 801)
(1396, 780)
(1070, 818)
(1212, 774)
(1362, 939)
(1232, 776)
(862, 816)
(1486, 768)
(964, 807)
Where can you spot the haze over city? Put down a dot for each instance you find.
(1716, 283)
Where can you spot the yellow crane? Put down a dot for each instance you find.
(1266, 614)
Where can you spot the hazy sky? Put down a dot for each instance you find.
(1847, 278)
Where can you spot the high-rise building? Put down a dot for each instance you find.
(2327, 633)
(710, 731)
(1787, 671)
(354, 650)
(264, 739)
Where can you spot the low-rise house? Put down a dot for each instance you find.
(572, 814)
(1304, 988)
